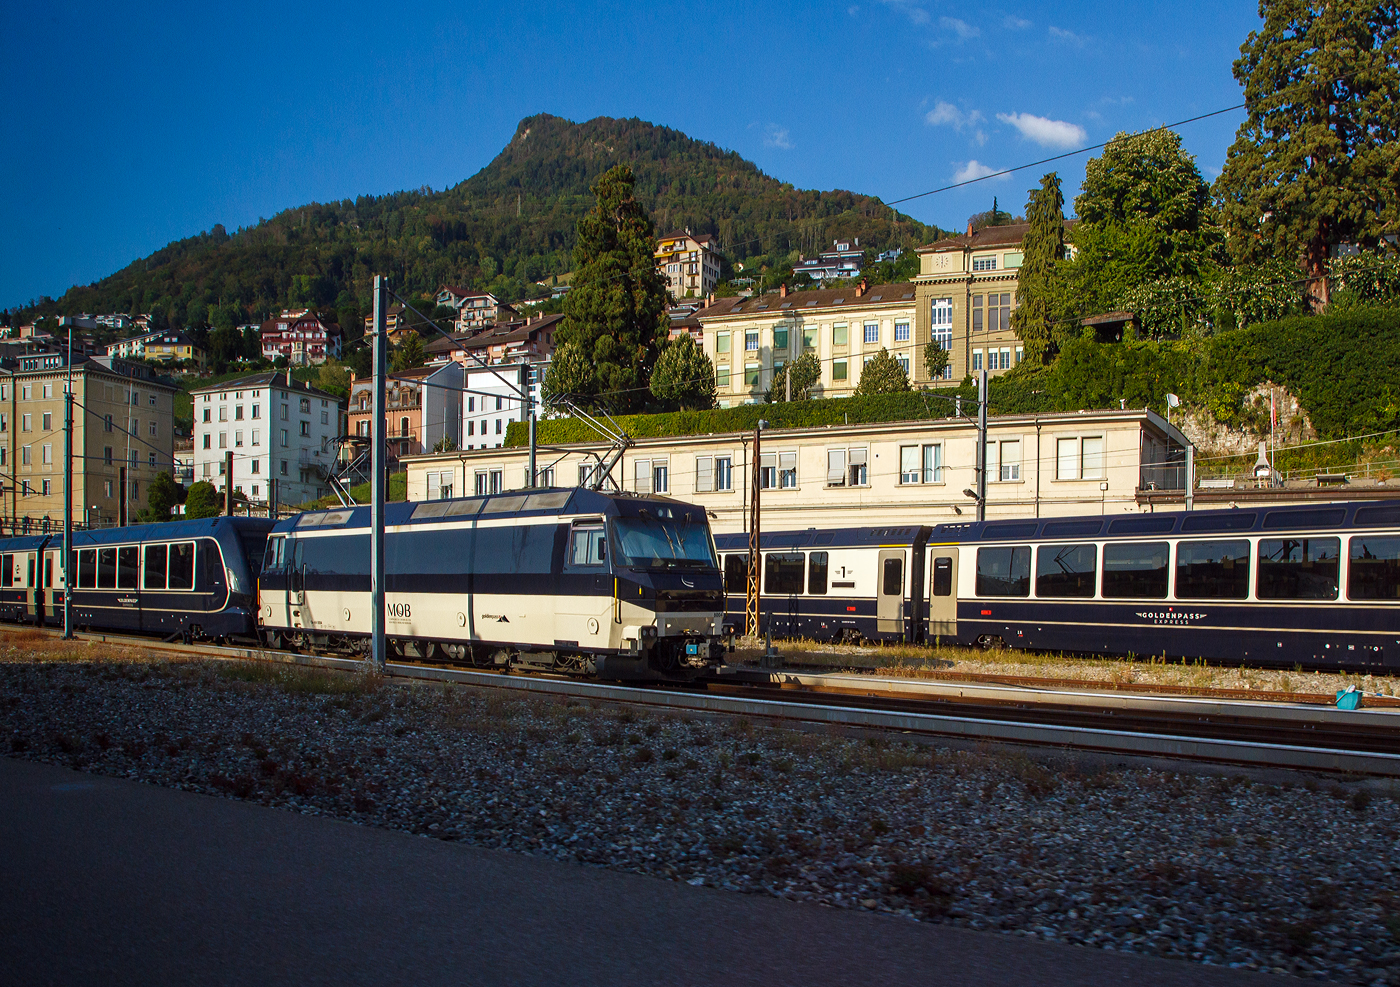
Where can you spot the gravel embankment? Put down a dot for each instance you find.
(1298, 878)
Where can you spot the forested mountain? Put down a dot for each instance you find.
(501, 230)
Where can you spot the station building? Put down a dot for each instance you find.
(889, 473)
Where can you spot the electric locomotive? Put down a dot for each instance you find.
(566, 580)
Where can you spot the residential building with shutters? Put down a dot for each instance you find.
(966, 294)
(301, 338)
(749, 339)
(888, 473)
(422, 407)
(475, 310)
(279, 430)
(690, 263)
(842, 262)
(123, 426)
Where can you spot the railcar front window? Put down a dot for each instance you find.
(1136, 571)
(1298, 568)
(1066, 570)
(1212, 570)
(1374, 573)
(662, 542)
(1004, 571)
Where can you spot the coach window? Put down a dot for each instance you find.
(7, 570)
(589, 547)
(154, 570)
(893, 578)
(816, 573)
(87, 569)
(736, 573)
(943, 576)
(1004, 571)
(783, 572)
(182, 565)
(1374, 573)
(1066, 570)
(127, 566)
(1136, 571)
(1212, 570)
(1298, 568)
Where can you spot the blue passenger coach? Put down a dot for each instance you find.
(192, 579)
(1316, 585)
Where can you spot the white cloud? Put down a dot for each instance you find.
(910, 9)
(1069, 37)
(973, 170)
(1044, 131)
(775, 136)
(946, 113)
(962, 29)
(1016, 23)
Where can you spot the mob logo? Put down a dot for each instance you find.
(402, 611)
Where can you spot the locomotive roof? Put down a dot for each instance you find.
(517, 503)
(905, 534)
(1307, 517)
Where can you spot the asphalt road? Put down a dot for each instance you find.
(109, 882)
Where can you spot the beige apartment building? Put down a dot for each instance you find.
(122, 418)
(689, 262)
(966, 294)
(749, 339)
(895, 473)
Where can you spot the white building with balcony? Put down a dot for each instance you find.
(279, 430)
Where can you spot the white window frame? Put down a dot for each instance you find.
(1080, 457)
(866, 334)
(901, 332)
(848, 466)
(999, 469)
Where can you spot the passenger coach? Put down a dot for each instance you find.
(574, 581)
(191, 579)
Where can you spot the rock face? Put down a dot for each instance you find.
(1214, 439)
(1299, 878)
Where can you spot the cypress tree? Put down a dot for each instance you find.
(1043, 252)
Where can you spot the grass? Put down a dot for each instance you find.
(300, 679)
(956, 662)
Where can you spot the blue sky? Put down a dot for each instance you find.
(128, 126)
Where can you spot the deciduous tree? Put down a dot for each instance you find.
(1318, 159)
(806, 372)
(882, 375)
(683, 376)
(203, 500)
(935, 359)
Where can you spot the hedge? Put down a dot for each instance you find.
(1344, 369)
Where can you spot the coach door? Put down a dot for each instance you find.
(889, 600)
(943, 597)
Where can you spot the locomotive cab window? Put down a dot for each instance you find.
(1136, 571)
(589, 546)
(275, 556)
(783, 572)
(736, 573)
(1212, 570)
(1066, 570)
(1004, 571)
(1298, 568)
(1374, 573)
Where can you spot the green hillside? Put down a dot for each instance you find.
(501, 230)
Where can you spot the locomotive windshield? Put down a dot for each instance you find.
(662, 542)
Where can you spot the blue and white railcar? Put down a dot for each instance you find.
(614, 585)
(837, 584)
(192, 579)
(1315, 586)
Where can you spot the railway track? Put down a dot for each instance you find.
(1363, 742)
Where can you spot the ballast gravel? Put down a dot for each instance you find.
(1296, 878)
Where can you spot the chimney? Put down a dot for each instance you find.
(782, 290)
(710, 298)
(861, 288)
(969, 227)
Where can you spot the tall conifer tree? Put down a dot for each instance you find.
(1043, 252)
